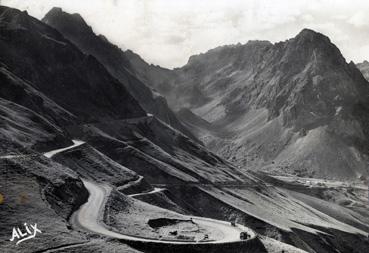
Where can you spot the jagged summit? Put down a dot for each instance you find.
(11, 12)
(15, 19)
(74, 22)
(311, 39)
(364, 68)
(310, 34)
(311, 43)
(59, 12)
(227, 50)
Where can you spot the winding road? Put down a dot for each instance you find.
(49, 154)
(76, 143)
(89, 215)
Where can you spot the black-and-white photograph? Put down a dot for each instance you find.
(184, 126)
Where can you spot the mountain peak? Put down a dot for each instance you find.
(315, 47)
(309, 35)
(57, 14)
(307, 31)
(11, 15)
(59, 11)
(55, 10)
(364, 68)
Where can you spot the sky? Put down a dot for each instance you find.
(168, 32)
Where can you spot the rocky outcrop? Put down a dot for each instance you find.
(364, 68)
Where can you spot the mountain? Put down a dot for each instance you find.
(77, 148)
(75, 81)
(22, 129)
(14, 88)
(75, 29)
(364, 68)
(290, 107)
(154, 75)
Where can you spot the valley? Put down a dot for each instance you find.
(256, 147)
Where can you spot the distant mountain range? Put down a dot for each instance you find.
(293, 107)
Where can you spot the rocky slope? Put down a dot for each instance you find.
(20, 91)
(37, 68)
(364, 68)
(294, 106)
(36, 190)
(75, 29)
(21, 129)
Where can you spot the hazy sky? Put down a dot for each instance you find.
(167, 32)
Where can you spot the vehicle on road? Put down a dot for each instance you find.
(244, 236)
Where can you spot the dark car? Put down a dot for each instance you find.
(244, 236)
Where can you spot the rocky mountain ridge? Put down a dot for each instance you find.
(265, 100)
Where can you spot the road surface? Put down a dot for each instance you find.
(76, 143)
(89, 217)
(156, 190)
(317, 182)
(11, 156)
(129, 184)
(49, 154)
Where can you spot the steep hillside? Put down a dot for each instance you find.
(158, 152)
(38, 67)
(75, 29)
(154, 75)
(21, 92)
(295, 106)
(37, 190)
(55, 67)
(22, 130)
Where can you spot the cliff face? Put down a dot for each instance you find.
(277, 77)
